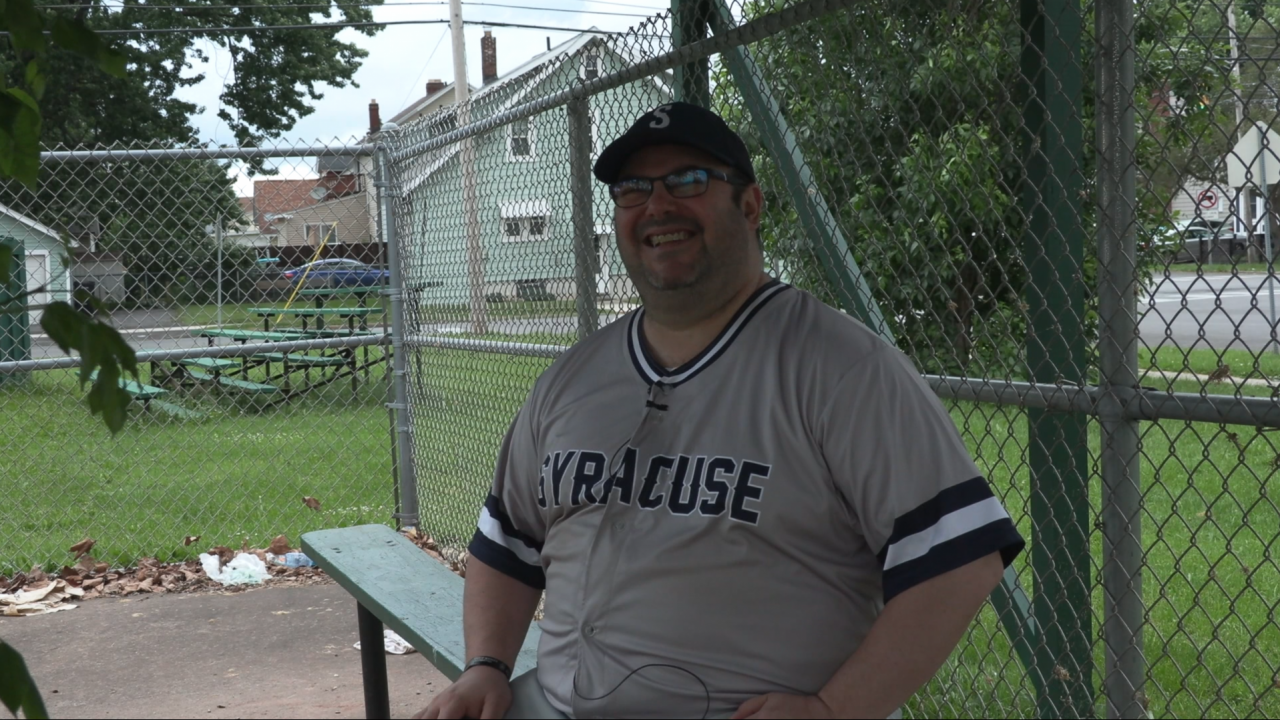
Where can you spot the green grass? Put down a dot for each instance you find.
(1218, 267)
(1244, 365)
(1210, 522)
(239, 473)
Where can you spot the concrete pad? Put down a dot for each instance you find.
(282, 652)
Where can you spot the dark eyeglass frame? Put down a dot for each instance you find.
(672, 182)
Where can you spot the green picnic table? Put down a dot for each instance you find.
(319, 313)
(244, 336)
(361, 293)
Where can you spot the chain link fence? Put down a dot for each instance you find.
(252, 284)
(1061, 212)
(1031, 199)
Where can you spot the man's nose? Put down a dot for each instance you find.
(660, 201)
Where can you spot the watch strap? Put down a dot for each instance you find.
(487, 661)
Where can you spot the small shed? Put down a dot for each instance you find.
(101, 273)
(44, 259)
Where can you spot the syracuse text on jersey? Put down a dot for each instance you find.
(682, 484)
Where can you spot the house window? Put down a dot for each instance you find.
(520, 144)
(317, 233)
(590, 66)
(524, 229)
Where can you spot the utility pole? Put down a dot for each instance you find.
(1246, 195)
(467, 158)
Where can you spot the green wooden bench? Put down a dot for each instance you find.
(233, 383)
(398, 585)
(149, 396)
(216, 364)
(136, 390)
(300, 360)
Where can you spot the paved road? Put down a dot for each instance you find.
(1217, 311)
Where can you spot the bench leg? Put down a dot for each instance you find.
(373, 661)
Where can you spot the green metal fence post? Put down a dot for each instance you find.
(1053, 250)
(15, 326)
(689, 25)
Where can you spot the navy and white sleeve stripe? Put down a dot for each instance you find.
(498, 544)
(961, 524)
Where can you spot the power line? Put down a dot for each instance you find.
(342, 25)
(338, 4)
(423, 71)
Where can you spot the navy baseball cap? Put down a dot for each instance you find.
(677, 123)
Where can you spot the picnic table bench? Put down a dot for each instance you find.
(149, 396)
(398, 585)
(245, 386)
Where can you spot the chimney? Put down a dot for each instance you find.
(375, 120)
(434, 86)
(488, 57)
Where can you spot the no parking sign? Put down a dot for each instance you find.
(1208, 199)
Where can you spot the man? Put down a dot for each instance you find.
(739, 501)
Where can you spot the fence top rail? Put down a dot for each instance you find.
(205, 153)
(749, 32)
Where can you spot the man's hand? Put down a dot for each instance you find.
(779, 705)
(481, 692)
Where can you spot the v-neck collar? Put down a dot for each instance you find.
(652, 372)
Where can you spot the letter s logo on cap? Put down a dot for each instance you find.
(663, 120)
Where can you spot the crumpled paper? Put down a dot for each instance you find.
(48, 599)
(393, 643)
(244, 568)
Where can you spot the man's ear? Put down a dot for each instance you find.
(753, 205)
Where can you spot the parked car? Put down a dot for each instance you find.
(336, 272)
(1195, 240)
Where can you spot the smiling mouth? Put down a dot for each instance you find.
(668, 237)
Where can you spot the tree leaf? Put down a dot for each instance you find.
(35, 78)
(25, 26)
(64, 326)
(75, 36)
(17, 689)
(19, 136)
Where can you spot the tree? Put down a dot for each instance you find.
(154, 215)
(916, 142)
(914, 145)
(275, 75)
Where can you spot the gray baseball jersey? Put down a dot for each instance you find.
(734, 526)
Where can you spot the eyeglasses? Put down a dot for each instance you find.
(635, 191)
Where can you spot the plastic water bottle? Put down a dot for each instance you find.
(297, 559)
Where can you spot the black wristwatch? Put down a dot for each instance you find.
(487, 661)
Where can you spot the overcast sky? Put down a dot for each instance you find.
(403, 57)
